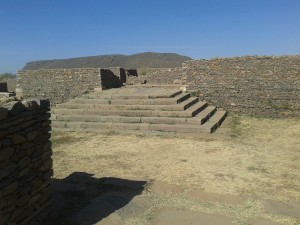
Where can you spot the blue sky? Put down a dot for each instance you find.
(50, 29)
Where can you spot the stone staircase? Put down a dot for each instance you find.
(138, 109)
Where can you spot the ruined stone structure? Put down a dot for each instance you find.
(60, 85)
(142, 109)
(251, 85)
(260, 86)
(25, 163)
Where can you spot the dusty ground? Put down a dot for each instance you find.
(249, 176)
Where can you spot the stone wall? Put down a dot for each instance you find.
(25, 163)
(59, 85)
(262, 86)
(160, 75)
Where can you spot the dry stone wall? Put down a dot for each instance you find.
(161, 75)
(59, 85)
(262, 86)
(25, 163)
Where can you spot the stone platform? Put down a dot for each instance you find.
(138, 109)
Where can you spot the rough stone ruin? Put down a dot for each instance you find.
(25, 163)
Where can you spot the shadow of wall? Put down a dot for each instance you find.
(109, 79)
(81, 199)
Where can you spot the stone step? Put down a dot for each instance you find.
(181, 106)
(215, 121)
(138, 110)
(190, 112)
(203, 116)
(167, 94)
(180, 128)
(158, 101)
(117, 123)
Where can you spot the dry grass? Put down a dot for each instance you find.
(259, 160)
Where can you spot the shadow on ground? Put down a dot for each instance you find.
(81, 199)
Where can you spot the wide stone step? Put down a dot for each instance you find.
(180, 128)
(181, 106)
(139, 110)
(190, 112)
(120, 119)
(167, 94)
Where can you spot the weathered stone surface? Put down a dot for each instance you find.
(5, 153)
(18, 139)
(15, 107)
(251, 85)
(30, 105)
(24, 175)
(32, 135)
(3, 113)
(4, 172)
(23, 162)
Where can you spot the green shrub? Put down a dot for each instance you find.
(7, 76)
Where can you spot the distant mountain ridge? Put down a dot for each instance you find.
(140, 60)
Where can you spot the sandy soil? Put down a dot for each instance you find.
(259, 160)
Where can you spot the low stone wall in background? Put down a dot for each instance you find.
(161, 75)
(252, 85)
(59, 85)
(25, 163)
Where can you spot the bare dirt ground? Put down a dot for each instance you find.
(251, 175)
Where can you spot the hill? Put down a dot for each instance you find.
(140, 60)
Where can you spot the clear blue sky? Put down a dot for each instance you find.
(48, 29)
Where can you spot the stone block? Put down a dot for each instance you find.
(15, 107)
(3, 113)
(32, 135)
(4, 172)
(5, 153)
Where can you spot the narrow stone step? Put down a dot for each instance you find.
(215, 121)
(218, 117)
(203, 116)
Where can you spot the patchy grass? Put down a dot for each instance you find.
(63, 138)
(235, 126)
(260, 162)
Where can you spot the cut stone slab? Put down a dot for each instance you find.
(172, 216)
(215, 197)
(285, 209)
